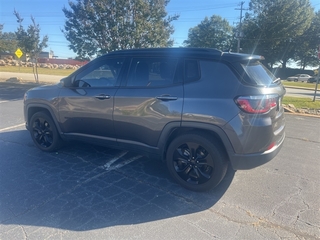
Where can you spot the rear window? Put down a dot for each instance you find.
(258, 74)
(152, 72)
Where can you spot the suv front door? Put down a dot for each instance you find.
(86, 107)
(151, 99)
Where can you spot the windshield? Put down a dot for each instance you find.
(258, 74)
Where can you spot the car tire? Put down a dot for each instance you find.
(44, 132)
(196, 162)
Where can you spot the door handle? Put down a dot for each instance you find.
(166, 98)
(102, 96)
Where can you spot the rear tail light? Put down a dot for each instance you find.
(257, 104)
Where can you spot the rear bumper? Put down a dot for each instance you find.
(248, 161)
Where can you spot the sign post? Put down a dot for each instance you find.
(317, 78)
(317, 82)
(19, 53)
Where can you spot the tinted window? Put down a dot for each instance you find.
(258, 74)
(104, 73)
(217, 72)
(152, 72)
(191, 70)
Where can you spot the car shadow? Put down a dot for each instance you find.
(84, 187)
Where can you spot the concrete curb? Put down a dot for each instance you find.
(292, 112)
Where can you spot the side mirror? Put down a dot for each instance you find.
(62, 82)
(65, 82)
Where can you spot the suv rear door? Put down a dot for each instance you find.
(151, 98)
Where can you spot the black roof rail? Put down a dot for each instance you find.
(175, 49)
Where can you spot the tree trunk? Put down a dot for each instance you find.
(284, 63)
(35, 71)
(304, 63)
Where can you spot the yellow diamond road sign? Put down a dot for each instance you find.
(19, 53)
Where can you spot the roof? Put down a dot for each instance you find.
(196, 52)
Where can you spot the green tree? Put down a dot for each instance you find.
(8, 42)
(29, 41)
(213, 32)
(95, 27)
(272, 25)
(307, 44)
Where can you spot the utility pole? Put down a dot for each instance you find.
(240, 25)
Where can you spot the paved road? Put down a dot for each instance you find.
(298, 92)
(88, 192)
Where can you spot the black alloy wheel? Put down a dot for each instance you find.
(44, 132)
(196, 162)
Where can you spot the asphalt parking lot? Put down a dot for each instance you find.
(90, 192)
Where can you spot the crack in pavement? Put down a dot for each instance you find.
(263, 222)
(258, 221)
(303, 139)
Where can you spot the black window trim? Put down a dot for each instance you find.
(185, 70)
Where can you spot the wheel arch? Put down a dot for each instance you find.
(34, 108)
(214, 132)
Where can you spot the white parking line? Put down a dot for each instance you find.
(15, 99)
(12, 127)
(120, 165)
(108, 166)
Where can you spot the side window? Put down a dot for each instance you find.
(152, 72)
(191, 70)
(102, 74)
(218, 73)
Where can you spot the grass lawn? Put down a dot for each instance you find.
(58, 72)
(301, 102)
(300, 84)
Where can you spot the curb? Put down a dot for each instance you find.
(292, 112)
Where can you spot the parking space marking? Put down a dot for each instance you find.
(113, 160)
(12, 127)
(120, 165)
(15, 99)
(108, 166)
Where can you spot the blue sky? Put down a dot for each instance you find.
(49, 15)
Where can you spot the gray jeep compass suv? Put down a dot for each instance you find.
(197, 109)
